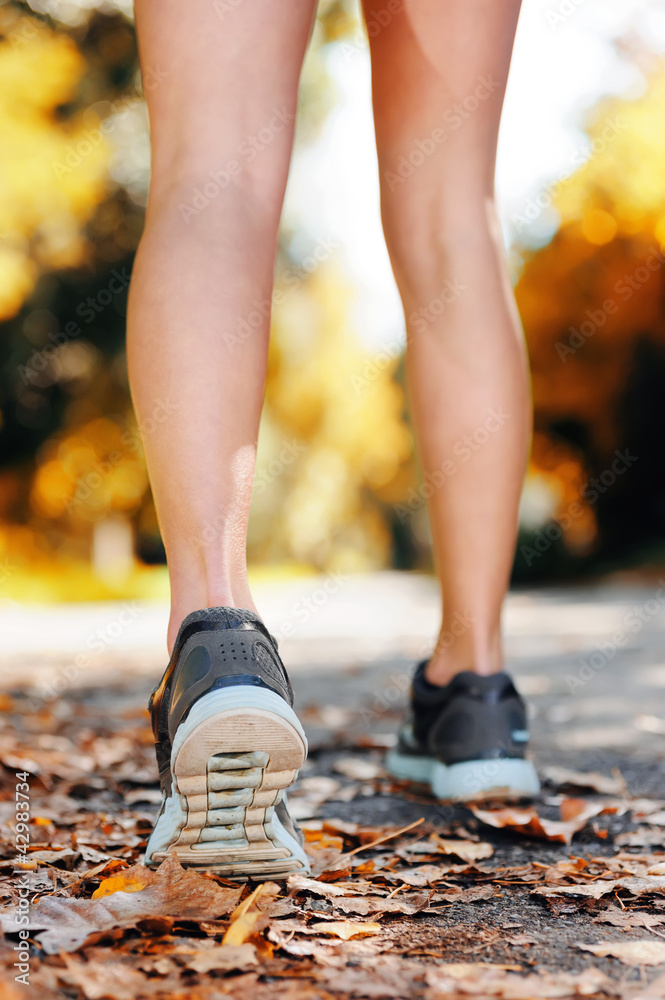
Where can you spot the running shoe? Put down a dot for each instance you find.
(228, 745)
(466, 739)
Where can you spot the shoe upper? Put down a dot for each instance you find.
(214, 648)
(473, 717)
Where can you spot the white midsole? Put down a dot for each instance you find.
(469, 779)
(229, 698)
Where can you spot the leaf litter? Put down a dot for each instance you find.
(417, 909)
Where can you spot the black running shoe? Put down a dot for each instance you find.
(228, 743)
(466, 739)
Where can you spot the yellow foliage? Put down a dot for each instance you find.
(118, 883)
(337, 421)
(89, 474)
(54, 173)
(595, 289)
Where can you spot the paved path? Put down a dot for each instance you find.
(591, 660)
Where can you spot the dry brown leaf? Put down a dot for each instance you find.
(301, 883)
(465, 850)
(645, 836)
(111, 978)
(51, 857)
(226, 958)
(643, 952)
(344, 929)
(586, 780)
(412, 902)
(594, 890)
(170, 892)
(485, 980)
(358, 768)
(575, 813)
(424, 875)
(628, 918)
(635, 885)
(457, 894)
(654, 991)
(385, 976)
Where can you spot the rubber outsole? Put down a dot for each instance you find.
(469, 781)
(232, 760)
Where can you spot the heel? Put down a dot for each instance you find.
(231, 766)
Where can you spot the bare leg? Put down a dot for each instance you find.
(439, 73)
(222, 106)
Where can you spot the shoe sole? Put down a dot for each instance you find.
(232, 759)
(510, 779)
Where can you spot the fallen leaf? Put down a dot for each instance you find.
(657, 818)
(423, 875)
(456, 894)
(111, 978)
(247, 919)
(634, 884)
(226, 958)
(170, 891)
(466, 850)
(61, 856)
(485, 980)
(412, 902)
(642, 952)
(384, 976)
(122, 882)
(389, 834)
(628, 918)
(345, 929)
(358, 768)
(645, 836)
(654, 991)
(301, 883)
(528, 821)
(586, 780)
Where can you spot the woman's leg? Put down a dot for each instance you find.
(222, 104)
(439, 72)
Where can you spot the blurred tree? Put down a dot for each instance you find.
(592, 306)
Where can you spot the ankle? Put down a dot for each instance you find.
(213, 597)
(480, 655)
